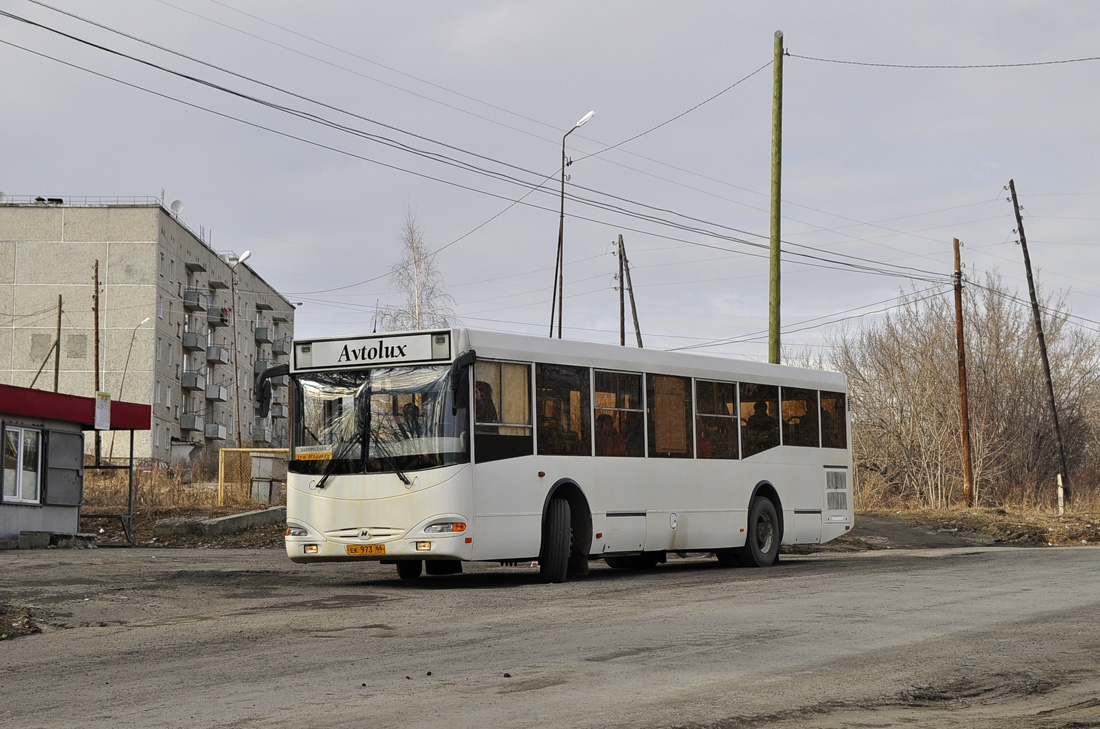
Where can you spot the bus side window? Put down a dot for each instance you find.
(564, 414)
(618, 405)
(502, 411)
(834, 420)
(759, 418)
(668, 401)
(716, 419)
(800, 417)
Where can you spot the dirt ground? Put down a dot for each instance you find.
(873, 531)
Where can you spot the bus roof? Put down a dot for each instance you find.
(441, 346)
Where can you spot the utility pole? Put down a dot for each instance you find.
(622, 298)
(95, 339)
(630, 287)
(57, 347)
(777, 166)
(1042, 340)
(964, 407)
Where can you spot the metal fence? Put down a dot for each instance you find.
(252, 476)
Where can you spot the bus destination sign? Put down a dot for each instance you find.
(372, 351)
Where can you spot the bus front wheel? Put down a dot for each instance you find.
(762, 543)
(556, 536)
(409, 569)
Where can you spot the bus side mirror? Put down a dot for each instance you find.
(263, 387)
(460, 380)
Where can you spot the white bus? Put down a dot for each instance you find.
(427, 449)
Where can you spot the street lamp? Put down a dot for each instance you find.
(559, 266)
(236, 371)
(122, 383)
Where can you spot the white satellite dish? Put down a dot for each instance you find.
(176, 207)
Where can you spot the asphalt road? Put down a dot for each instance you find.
(963, 637)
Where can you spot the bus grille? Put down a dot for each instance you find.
(836, 490)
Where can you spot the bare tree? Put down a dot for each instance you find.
(426, 304)
(904, 399)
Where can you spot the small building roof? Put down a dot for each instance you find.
(71, 408)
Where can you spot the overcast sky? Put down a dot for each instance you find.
(456, 111)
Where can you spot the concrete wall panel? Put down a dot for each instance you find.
(30, 223)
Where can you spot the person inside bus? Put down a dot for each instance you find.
(609, 441)
(760, 421)
(484, 409)
(410, 420)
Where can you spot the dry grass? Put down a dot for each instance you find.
(161, 490)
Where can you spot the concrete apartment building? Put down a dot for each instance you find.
(181, 326)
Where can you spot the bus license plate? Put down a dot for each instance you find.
(366, 550)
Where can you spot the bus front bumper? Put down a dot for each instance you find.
(304, 544)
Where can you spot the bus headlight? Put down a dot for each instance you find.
(295, 531)
(445, 527)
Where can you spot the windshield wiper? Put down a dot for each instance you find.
(342, 451)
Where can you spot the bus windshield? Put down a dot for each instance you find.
(392, 419)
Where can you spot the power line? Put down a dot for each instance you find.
(946, 66)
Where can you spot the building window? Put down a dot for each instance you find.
(160, 349)
(160, 306)
(158, 393)
(22, 465)
(156, 435)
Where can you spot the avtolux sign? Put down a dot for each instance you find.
(393, 349)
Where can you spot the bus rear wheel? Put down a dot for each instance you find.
(409, 569)
(556, 537)
(762, 543)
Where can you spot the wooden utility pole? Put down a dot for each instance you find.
(964, 407)
(1042, 341)
(95, 356)
(57, 347)
(777, 168)
(622, 298)
(630, 288)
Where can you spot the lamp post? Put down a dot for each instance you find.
(559, 266)
(236, 372)
(122, 383)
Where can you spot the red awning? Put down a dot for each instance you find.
(71, 408)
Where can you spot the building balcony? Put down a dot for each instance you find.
(194, 342)
(194, 300)
(280, 381)
(278, 410)
(263, 335)
(217, 393)
(263, 364)
(193, 381)
(261, 434)
(281, 346)
(215, 431)
(217, 354)
(217, 316)
(192, 421)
